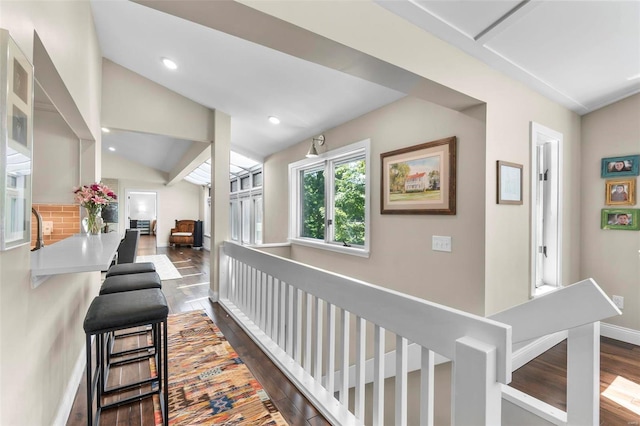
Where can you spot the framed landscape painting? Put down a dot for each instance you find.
(420, 179)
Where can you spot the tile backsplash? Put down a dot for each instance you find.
(65, 219)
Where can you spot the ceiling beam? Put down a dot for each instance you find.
(250, 24)
(196, 155)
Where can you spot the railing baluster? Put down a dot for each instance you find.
(378, 376)
(427, 358)
(253, 294)
(275, 325)
(297, 325)
(269, 311)
(283, 315)
(331, 347)
(317, 366)
(361, 347)
(261, 297)
(308, 337)
(343, 394)
(401, 381)
(289, 331)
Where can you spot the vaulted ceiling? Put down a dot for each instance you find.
(582, 54)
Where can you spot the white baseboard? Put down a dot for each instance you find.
(535, 348)
(66, 404)
(213, 295)
(623, 334)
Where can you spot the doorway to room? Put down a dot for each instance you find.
(141, 212)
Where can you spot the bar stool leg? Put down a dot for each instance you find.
(165, 385)
(89, 383)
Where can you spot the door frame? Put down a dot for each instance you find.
(542, 135)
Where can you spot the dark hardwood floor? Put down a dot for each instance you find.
(545, 378)
(187, 294)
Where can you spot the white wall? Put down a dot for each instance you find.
(42, 341)
(56, 155)
(611, 257)
(132, 102)
(401, 256)
(511, 106)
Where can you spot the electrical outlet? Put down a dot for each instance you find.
(47, 227)
(440, 243)
(618, 301)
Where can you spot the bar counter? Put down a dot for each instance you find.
(79, 253)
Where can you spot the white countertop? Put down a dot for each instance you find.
(79, 253)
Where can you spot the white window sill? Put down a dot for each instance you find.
(331, 247)
(544, 289)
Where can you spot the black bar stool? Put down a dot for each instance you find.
(126, 283)
(118, 311)
(131, 268)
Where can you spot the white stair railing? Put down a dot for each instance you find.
(302, 318)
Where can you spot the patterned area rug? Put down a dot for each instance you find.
(164, 267)
(208, 383)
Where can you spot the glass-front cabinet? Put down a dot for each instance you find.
(16, 137)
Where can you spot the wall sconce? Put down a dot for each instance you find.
(313, 152)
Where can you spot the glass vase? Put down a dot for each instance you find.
(92, 223)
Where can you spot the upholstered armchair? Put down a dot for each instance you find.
(182, 234)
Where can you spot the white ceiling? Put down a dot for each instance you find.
(582, 54)
(578, 53)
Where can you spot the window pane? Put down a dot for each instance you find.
(349, 204)
(258, 220)
(234, 219)
(234, 185)
(257, 179)
(245, 182)
(312, 205)
(246, 221)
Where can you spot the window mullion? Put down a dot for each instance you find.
(328, 200)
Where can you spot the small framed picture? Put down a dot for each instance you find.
(623, 219)
(509, 190)
(620, 192)
(620, 166)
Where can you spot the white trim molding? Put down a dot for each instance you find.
(627, 335)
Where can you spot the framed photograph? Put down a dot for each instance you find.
(16, 137)
(420, 179)
(620, 192)
(623, 219)
(620, 166)
(509, 188)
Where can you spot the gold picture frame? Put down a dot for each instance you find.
(620, 192)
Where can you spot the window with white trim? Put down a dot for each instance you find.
(245, 198)
(329, 200)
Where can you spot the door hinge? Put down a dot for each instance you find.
(544, 176)
(543, 250)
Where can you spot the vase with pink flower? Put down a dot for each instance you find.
(93, 197)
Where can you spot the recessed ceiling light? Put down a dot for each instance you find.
(106, 130)
(274, 120)
(111, 149)
(169, 63)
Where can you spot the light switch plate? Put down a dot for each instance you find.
(440, 243)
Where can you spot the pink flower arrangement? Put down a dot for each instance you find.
(94, 196)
